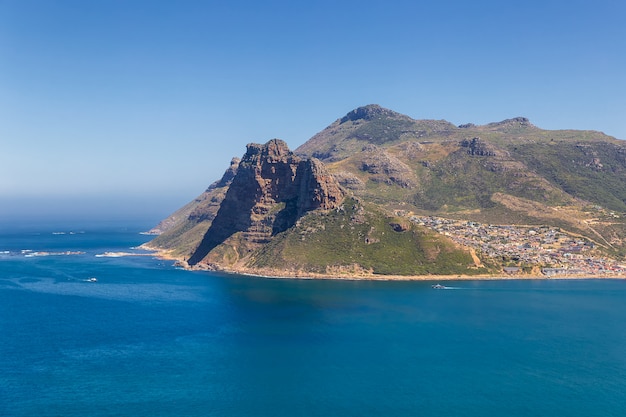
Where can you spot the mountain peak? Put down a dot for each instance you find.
(369, 112)
(274, 147)
(514, 122)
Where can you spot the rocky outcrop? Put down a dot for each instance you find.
(271, 189)
(228, 176)
(317, 188)
(349, 181)
(386, 168)
(515, 122)
(478, 147)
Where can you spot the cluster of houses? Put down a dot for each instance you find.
(548, 248)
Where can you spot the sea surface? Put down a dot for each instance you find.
(148, 339)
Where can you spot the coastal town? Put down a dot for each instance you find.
(527, 249)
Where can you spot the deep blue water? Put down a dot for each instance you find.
(148, 339)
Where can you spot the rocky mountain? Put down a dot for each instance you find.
(272, 189)
(509, 172)
(347, 200)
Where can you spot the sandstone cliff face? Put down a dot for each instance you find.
(272, 188)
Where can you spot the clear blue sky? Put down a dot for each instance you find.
(150, 99)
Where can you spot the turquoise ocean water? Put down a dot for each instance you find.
(148, 339)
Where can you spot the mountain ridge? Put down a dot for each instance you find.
(391, 166)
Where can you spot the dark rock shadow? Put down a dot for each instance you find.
(285, 218)
(233, 216)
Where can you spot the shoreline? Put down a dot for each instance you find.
(275, 274)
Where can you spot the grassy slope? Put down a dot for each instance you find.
(570, 167)
(461, 181)
(332, 241)
(551, 168)
(188, 225)
(183, 239)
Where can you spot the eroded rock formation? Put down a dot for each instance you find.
(478, 147)
(272, 188)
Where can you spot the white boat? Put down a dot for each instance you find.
(439, 287)
(92, 279)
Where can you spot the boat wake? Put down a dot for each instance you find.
(444, 287)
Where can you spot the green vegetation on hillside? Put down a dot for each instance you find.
(461, 182)
(594, 172)
(382, 130)
(183, 239)
(353, 236)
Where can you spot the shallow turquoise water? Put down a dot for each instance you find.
(151, 340)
